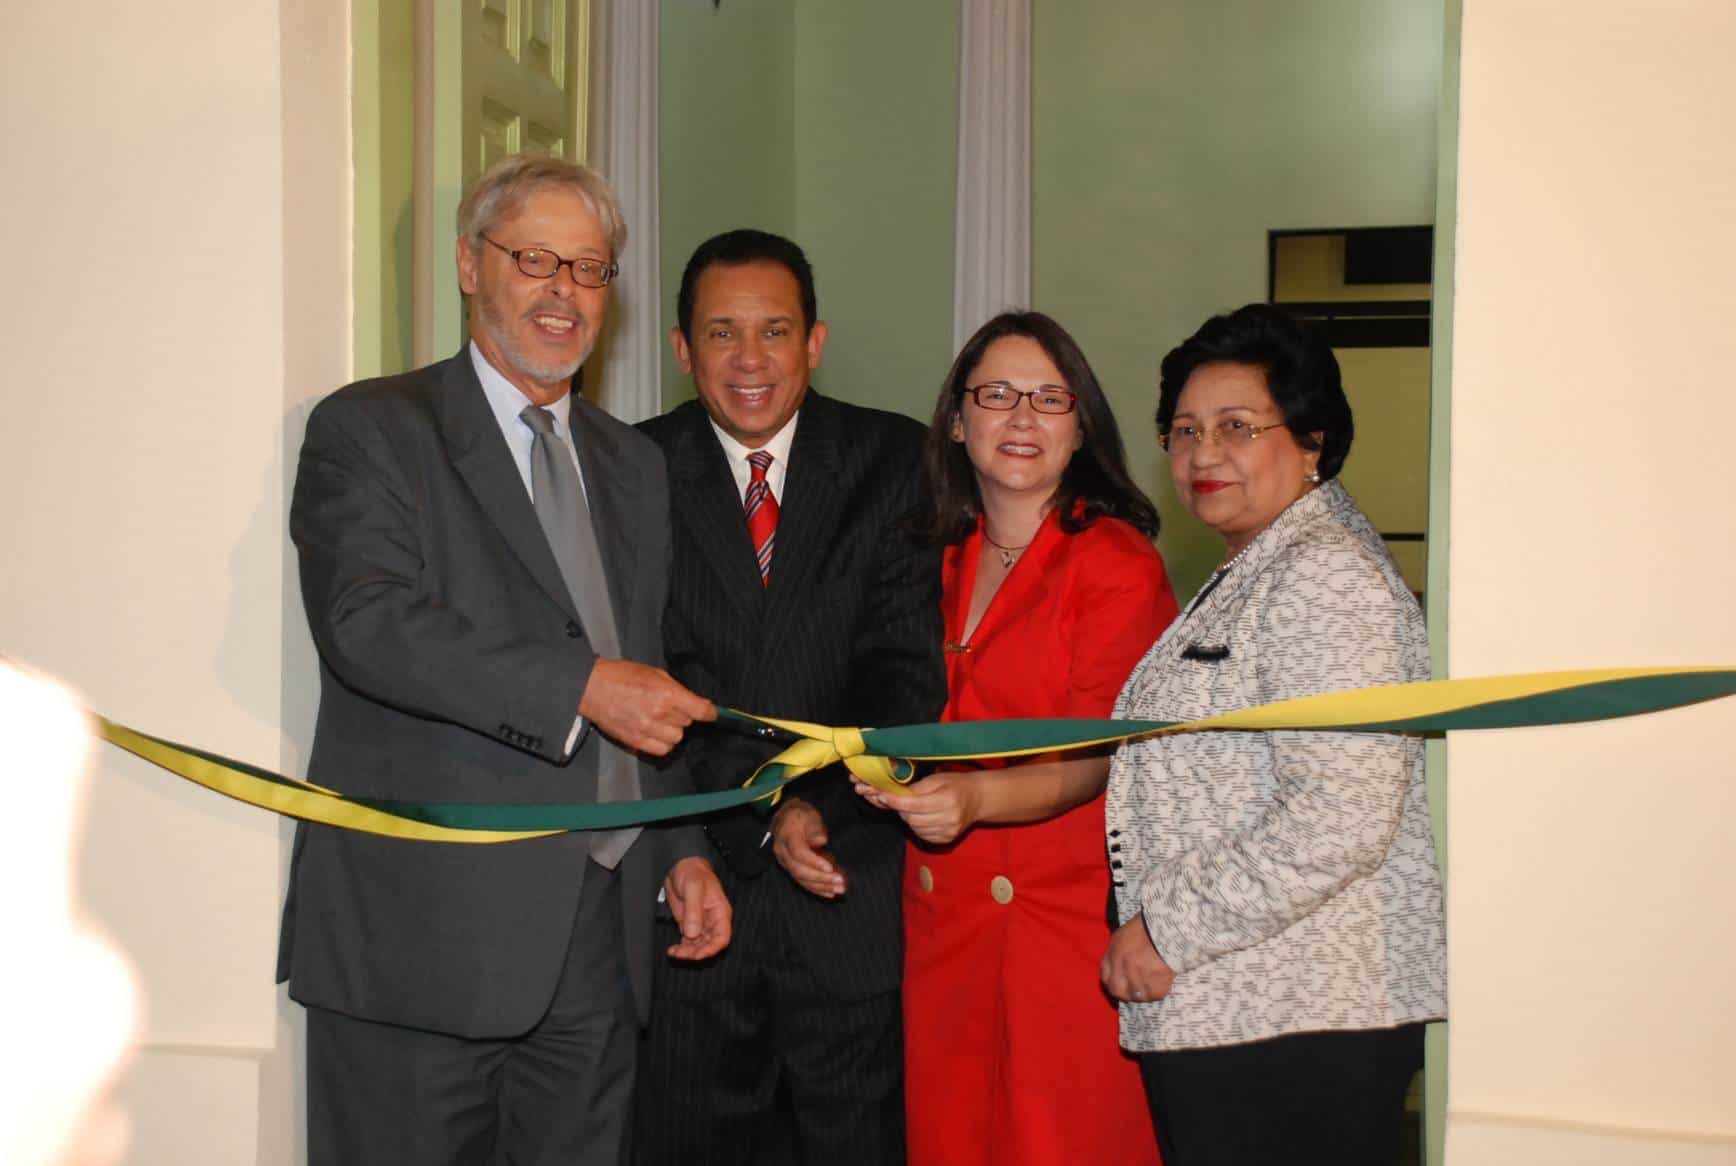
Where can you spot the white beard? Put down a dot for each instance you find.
(495, 322)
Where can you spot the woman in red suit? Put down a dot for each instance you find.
(1052, 594)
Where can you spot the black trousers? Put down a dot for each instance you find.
(561, 1093)
(1332, 1098)
(722, 1036)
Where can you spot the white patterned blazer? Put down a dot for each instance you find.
(1288, 878)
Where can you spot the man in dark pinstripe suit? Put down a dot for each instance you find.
(796, 592)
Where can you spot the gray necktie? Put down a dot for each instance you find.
(566, 521)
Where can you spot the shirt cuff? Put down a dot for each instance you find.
(573, 737)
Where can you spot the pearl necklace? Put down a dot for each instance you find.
(1233, 560)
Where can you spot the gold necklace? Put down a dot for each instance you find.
(1009, 555)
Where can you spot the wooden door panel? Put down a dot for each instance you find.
(545, 36)
(497, 24)
(513, 78)
(497, 134)
(544, 138)
(507, 75)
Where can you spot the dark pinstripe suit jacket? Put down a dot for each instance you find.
(848, 632)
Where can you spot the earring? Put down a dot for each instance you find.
(1312, 477)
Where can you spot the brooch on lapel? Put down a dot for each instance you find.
(1207, 654)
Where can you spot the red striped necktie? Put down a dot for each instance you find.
(762, 512)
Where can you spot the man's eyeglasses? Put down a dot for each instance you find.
(1001, 396)
(1234, 432)
(541, 263)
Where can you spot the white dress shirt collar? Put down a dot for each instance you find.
(735, 453)
(506, 402)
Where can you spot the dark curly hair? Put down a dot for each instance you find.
(1095, 482)
(1301, 374)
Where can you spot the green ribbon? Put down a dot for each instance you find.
(883, 757)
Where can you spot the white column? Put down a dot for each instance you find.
(992, 223)
(626, 368)
(1591, 954)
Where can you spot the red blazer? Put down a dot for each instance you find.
(1010, 1044)
(1059, 639)
(1063, 633)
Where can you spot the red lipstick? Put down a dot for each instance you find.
(1207, 486)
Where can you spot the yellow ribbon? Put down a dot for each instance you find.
(304, 800)
(882, 758)
(823, 745)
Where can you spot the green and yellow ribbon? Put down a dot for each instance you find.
(884, 758)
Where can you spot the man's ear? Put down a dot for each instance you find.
(816, 343)
(467, 268)
(683, 355)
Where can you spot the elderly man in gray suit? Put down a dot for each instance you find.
(483, 560)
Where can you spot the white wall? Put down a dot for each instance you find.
(1593, 419)
(177, 240)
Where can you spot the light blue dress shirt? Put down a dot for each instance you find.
(506, 403)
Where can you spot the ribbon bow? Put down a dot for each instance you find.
(819, 746)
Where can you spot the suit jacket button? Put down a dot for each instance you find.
(574, 631)
(1001, 889)
(925, 878)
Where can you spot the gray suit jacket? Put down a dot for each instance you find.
(451, 666)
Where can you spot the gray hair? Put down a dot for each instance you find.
(503, 187)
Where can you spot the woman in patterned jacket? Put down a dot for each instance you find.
(1281, 941)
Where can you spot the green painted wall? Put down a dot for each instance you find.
(1169, 138)
(876, 134)
(784, 116)
(727, 126)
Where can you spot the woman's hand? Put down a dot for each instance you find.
(1132, 970)
(937, 809)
